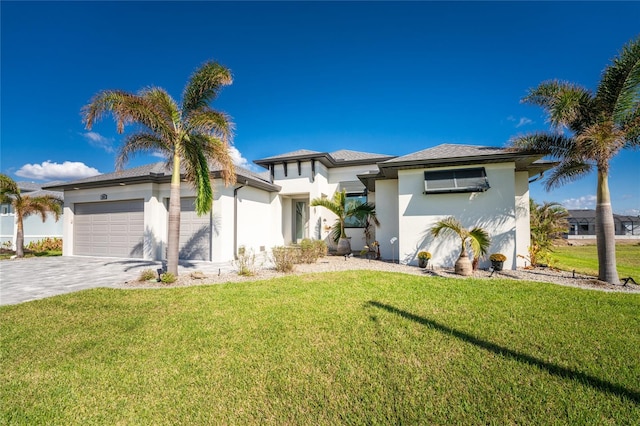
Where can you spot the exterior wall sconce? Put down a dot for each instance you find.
(103, 196)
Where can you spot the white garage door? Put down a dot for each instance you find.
(195, 232)
(110, 229)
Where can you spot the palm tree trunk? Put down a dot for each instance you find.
(19, 235)
(173, 238)
(605, 232)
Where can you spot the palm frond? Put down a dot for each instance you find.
(336, 231)
(8, 188)
(127, 108)
(328, 204)
(209, 121)
(565, 104)
(565, 172)
(480, 241)
(140, 143)
(449, 225)
(619, 88)
(216, 151)
(553, 144)
(204, 85)
(362, 211)
(40, 205)
(163, 103)
(198, 172)
(600, 142)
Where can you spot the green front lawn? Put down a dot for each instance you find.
(7, 254)
(356, 347)
(584, 259)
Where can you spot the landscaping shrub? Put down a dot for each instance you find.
(168, 278)
(285, 258)
(321, 248)
(47, 244)
(312, 250)
(245, 262)
(147, 275)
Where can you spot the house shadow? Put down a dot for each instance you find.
(553, 369)
(197, 247)
(497, 219)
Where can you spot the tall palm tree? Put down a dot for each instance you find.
(26, 205)
(548, 221)
(599, 126)
(191, 135)
(343, 209)
(477, 238)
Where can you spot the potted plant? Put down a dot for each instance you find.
(338, 205)
(477, 238)
(423, 258)
(497, 261)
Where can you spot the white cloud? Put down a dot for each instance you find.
(584, 202)
(238, 159)
(69, 170)
(99, 141)
(158, 154)
(522, 121)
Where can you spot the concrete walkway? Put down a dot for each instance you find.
(22, 280)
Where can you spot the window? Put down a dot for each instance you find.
(458, 180)
(351, 200)
(5, 209)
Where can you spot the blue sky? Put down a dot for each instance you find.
(389, 78)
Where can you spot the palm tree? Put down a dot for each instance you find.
(548, 221)
(190, 135)
(343, 209)
(477, 238)
(599, 125)
(25, 205)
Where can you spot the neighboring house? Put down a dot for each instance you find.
(125, 214)
(582, 224)
(34, 228)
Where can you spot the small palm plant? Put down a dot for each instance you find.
(477, 238)
(26, 205)
(339, 206)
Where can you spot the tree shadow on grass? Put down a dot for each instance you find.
(553, 369)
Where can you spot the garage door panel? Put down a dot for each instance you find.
(113, 229)
(195, 232)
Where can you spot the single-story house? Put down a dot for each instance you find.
(124, 214)
(34, 228)
(582, 224)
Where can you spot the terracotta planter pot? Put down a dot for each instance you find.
(344, 246)
(463, 266)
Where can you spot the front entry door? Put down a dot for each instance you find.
(301, 215)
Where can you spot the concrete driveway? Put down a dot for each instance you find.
(22, 280)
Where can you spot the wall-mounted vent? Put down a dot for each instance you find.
(457, 180)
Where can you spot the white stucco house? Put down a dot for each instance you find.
(125, 214)
(34, 228)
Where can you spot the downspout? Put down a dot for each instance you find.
(235, 220)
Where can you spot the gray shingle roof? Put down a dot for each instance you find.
(155, 172)
(447, 150)
(44, 192)
(341, 158)
(28, 186)
(461, 155)
(293, 154)
(347, 155)
(33, 189)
